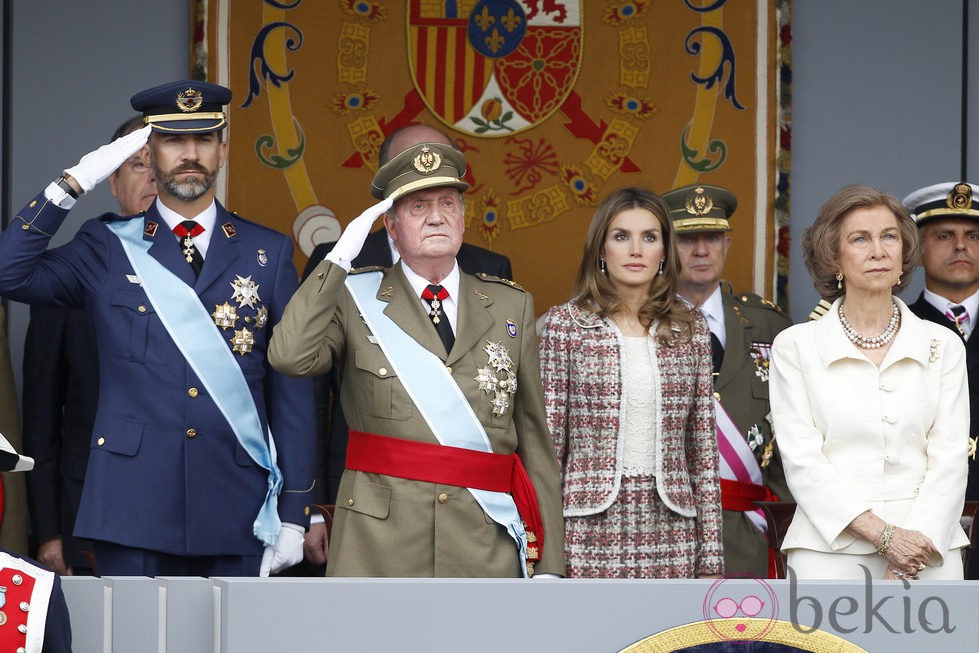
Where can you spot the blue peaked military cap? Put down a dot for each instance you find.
(183, 107)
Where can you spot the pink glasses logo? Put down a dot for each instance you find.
(740, 609)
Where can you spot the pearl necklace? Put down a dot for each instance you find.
(877, 341)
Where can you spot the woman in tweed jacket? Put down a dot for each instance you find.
(627, 377)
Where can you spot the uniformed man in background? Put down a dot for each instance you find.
(947, 215)
(742, 327)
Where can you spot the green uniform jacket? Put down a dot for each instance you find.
(389, 526)
(742, 388)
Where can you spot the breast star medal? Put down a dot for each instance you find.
(225, 315)
(243, 341)
(261, 317)
(488, 378)
(245, 291)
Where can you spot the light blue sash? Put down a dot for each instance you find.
(441, 403)
(207, 353)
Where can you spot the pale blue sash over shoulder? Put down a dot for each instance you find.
(437, 397)
(207, 353)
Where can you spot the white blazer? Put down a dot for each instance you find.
(855, 437)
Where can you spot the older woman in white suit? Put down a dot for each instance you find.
(871, 407)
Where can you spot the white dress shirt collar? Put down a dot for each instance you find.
(451, 283)
(971, 304)
(713, 310)
(205, 218)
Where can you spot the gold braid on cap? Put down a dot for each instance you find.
(168, 117)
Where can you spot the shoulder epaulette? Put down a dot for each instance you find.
(821, 309)
(756, 301)
(255, 224)
(482, 276)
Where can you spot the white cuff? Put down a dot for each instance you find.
(59, 197)
(331, 257)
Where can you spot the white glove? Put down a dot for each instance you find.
(288, 550)
(352, 239)
(96, 166)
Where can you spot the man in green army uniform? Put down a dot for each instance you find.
(440, 387)
(742, 328)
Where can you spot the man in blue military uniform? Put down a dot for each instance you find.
(202, 457)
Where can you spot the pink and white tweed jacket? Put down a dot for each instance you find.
(583, 388)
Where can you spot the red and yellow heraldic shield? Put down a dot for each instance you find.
(555, 103)
(493, 68)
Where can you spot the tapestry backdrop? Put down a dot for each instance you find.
(555, 104)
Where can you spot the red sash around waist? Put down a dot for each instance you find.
(436, 463)
(740, 496)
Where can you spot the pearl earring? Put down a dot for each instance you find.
(839, 281)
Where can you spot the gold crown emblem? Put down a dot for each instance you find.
(427, 161)
(698, 202)
(189, 100)
(960, 198)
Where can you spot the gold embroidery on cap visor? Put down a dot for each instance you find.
(701, 224)
(428, 182)
(183, 117)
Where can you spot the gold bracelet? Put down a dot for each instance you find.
(885, 539)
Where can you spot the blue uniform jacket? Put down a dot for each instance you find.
(165, 471)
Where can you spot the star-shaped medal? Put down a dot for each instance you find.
(225, 315)
(486, 379)
(261, 317)
(246, 291)
(243, 341)
(499, 357)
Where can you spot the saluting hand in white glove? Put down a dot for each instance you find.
(96, 166)
(352, 239)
